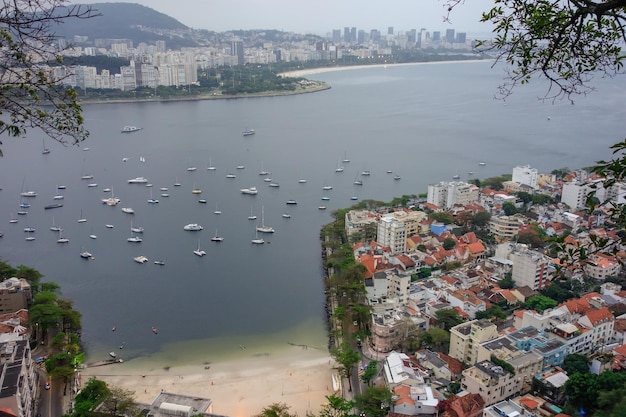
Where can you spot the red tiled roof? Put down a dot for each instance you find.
(454, 365)
(528, 403)
(600, 315)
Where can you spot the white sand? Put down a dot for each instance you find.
(299, 377)
(311, 71)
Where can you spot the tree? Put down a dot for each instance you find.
(275, 410)
(448, 243)
(565, 42)
(449, 317)
(437, 338)
(539, 303)
(507, 282)
(441, 217)
(495, 311)
(119, 402)
(347, 358)
(337, 407)
(90, 396)
(575, 362)
(370, 372)
(509, 208)
(374, 402)
(30, 95)
(481, 219)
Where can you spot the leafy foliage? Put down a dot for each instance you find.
(449, 317)
(30, 97)
(575, 362)
(275, 410)
(540, 303)
(347, 358)
(337, 407)
(375, 401)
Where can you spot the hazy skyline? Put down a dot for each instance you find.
(322, 16)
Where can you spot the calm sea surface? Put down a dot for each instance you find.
(424, 122)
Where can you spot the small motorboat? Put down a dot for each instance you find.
(113, 355)
(154, 330)
(159, 262)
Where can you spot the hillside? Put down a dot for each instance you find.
(127, 21)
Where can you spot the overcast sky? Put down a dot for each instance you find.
(320, 16)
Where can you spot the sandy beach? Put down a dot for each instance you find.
(312, 71)
(298, 376)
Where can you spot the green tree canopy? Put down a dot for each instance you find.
(481, 219)
(374, 402)
(540, 303)
(449, 317)
(347, 358)
(275, 410)
(442, 217)
(448, 243)
(509, 208)
(575, 362)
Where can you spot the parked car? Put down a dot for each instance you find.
(47, 386)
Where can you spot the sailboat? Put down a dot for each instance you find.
(54, 227)
(263, 228)
(13, 219)
(357, 181)
(84, 254)
(45, 150)
(262, 171)
(62, 239)
(57, 196)
(29, 230)
(81, 219)
(256, 240)
(210, 167)
(251, 216)
(133, 238)
(152, 200)
(199, 251)
(339, 167)
(345, 158)
(217, 210)
(176, 183)
(190, 167)
(217, 238)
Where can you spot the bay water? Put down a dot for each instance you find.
(425, 123)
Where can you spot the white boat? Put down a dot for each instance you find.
(339, 168)
(62, 239)
(111, 201)
(92, 185)
(268, 179)
(14, 219)
(86, 255)
(365, 173)
(54, 227)
(217, 210)
(482, 164)
(81, 219)
(128, 210)
(397, 177)
(456, 177)
(106, 190)
(286, 215)
(130, 129)
(199, 251)
(190, 167)
(192, 227)
(163, 189)
(92, 236)
(321, 208)
(86, 177)
(327, 187)
(195, 190)
(354, 198)
(29, 229)
(229, 175)
(159, 263)
(251, 216)
(152, 200)
(217, 238)
(302, 181)
(134, 239)
(113, 354)
(136, 229)
(211, 167)
(165, 195)
(28, 194)
(291, 202)
(176, 183)
(202, 201)
(45, 150)
(274, 184)
(325, 198)
(248, 132)
(140, 259)
(240, 167)
(249, 191)
(257, 240)
(263, 228)
(61, 187)
(345, 158)
(109, 226)
(262, 171)
(142, 159)
(138, 180)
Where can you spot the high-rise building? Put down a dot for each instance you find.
(375, 35)
(530, 268)
(390, 30)
(236, 49)
(360, 38)
(336, 35)
(461, 37)
(447, 194)
(353, 34)
(346, 34)
(412, 36)
(436, 36)
(450, 35)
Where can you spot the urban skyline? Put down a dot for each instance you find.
(322, 16)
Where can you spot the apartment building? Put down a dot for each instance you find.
(15, 294)
(530, 268)
(465, 339)
(392, 234)
(525, 175)
(19, 382)
(492, 382)
(447, 194)
(504, 228)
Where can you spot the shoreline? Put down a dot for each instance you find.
(297, 73)
(297, 376)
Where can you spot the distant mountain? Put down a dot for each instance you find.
(127, 21)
